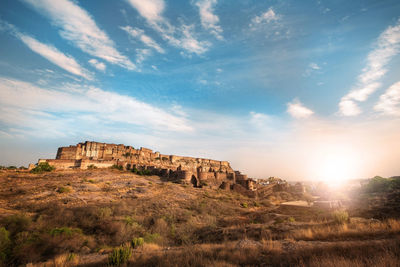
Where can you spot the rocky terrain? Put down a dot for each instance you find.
(103, 217)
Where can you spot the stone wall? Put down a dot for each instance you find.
(195, 171)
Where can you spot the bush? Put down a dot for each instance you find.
(340, 216)
(244, 205)
(4, 244)
(12, 167)
(43, 167)
(91, 167)
(63, 190)
(143, 172)
(17, 223)
(67, 231)
(119, 255)
(117, 167)
(151, 238)
(137, 242)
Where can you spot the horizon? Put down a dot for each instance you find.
(299, 91)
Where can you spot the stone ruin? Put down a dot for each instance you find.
(198, 172)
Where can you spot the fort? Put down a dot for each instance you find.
(188, 170)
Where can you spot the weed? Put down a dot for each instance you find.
(119, 256)
(62, 190)
(137, 242)
(340, 216)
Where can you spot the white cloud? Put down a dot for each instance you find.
(142, 54)
(55, 56)
(139, 34)
(97, 64)
(266, 17)
(314, 66)
(387, 46)
(259, 119)
(76, 25)
(151, 10)
(110, 107)
(47, 51)
(209, 20)
(190, 43)
(389, 102)
(297, 110)
(182, 37)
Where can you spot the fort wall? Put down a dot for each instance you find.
(189, 170)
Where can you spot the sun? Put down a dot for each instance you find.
(336, 165)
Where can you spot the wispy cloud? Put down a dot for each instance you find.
(209, 20)
(77, 26)
(387, 46)
(147, 40)
(107, 106)
(271, 25)
(48, 51)
(312, 67)
(182, 37)
(265, 18)
(297, 110)
(97, 64)
(389, 102)
(142, 54)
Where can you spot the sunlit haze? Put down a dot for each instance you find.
(290, 89)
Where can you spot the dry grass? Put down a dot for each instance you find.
(181, 226)
(346, 231)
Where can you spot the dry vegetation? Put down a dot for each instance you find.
(100, 217)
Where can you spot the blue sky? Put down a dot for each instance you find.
(272, 86)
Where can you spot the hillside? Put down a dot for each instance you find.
(80, 217)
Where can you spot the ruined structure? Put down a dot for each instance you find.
(196, 171)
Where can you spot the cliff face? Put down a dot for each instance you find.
(195, 171)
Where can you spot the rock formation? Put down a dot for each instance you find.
(196, 171)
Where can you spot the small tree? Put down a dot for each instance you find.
(43, 167)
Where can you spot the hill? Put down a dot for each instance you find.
(82, 217)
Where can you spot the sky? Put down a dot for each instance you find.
(291, 89)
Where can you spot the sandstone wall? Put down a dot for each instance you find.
(189, 170)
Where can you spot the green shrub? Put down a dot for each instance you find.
(340, 216)
(4, 244)
(12, 167)
(151, 238)
(291, 219)
(67, 231)
(117, 167)
(71, 257)
(137, 242)
(119, 256)
(244, 205)
(91, 167)
(62, 190)
(143, 172)
(43, 167)
(17, 223)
